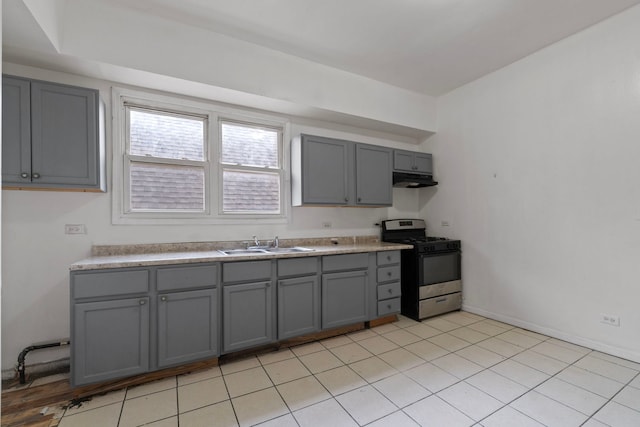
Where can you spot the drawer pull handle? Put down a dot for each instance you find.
(24, 175)
(163, 298)
(35, 176)
(388, 257)
(389, 306)
(441, 300)
(142, 302)
(390, 291)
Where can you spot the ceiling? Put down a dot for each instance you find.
(427, 47)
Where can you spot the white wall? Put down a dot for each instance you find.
(539, 171)
(37, 253)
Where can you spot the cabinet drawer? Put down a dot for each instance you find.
(246, 271)
(297, 266)
(89, 285)
(345, 262)
(388, 306)
(391, 290)
(387, 274)
(388, 257)
(187, 277)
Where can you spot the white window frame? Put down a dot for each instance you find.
(214, 114)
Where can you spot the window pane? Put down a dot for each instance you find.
(249, 146)
(167, 136)
(167, 187)
(251, 192)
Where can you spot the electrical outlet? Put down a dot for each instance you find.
(75, 229)
(610, 319)
(326, 224)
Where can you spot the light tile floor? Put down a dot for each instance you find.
(458, 369)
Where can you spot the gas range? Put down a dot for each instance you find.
(413, 232)
(431, 280)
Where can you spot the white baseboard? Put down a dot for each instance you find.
(555, 333)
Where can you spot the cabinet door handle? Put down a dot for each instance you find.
(359, 199)
(346, 199)
(163, 298)
(389, 273)
(142, 302)
(390, 291)
(35, 176)
(24, 175)
(388, 257)
(268, 285)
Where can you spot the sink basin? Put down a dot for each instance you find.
(289, 250)
(243, 251)
(256, 251)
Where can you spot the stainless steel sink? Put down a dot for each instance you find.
(243, 251)
(257, 251)
(289, 250)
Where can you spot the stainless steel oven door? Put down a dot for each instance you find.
(439, 268)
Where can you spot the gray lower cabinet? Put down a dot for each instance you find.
(298, 296)
(110, 339)
(247, 315)
(345, 289)
(51, 136)
(187, 326)
(298, 306)
(388, 289)
(344, 298)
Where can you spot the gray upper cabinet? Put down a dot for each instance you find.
(333, 172)
(373, 175)
(16, 130)
(51, 136)
(326, 169)
(410, 161)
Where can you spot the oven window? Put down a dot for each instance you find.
(440, 268)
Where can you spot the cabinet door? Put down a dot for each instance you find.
(16, 131)
(344, 298)
(187, 326)
(64, 135)
(298, 306)
(374, 175)
(325, 171)
(110, 340)
(403, 161)
(247, 315)
(424, 163)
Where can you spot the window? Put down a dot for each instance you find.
(178, 161)
(250, 164)
(166, 161)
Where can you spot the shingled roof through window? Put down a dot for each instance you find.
(177, 187)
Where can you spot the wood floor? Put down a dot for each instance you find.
(24, 407)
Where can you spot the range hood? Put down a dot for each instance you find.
(412, 180)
